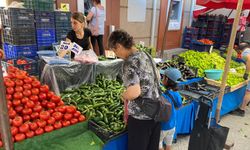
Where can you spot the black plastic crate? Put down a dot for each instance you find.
(213, 25)
(191, 30)
(213, 32)
(102, 133)
(19, 36)
(41, 5)
(61, 16)
(44, 19)
(18, 17)
(31, 67)
(200, 47)
(66, 25)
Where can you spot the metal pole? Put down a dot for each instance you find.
(152, 38)
(229, 55)
(4, 115)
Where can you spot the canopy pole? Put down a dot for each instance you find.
(228, 59)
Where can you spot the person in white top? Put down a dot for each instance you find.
(96, 24)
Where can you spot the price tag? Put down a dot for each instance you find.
(109, 54)
(77, 49)
(65, 45)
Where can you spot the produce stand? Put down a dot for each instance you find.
(60, 77)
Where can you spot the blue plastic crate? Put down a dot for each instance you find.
(31, 67)
(44, 19)
(45, 33)
(14, 51)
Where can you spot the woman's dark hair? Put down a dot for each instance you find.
(171, 85)
(78, 16)
(120, 37)
(97, 1)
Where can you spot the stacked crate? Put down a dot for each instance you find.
(45, 29)
(225, 38)
(40, 5)
(189, 35)
(63, 25)
(18, 32)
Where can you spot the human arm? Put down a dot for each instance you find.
(90, 44)
(132, 92)
(247, 67)
(90, 14)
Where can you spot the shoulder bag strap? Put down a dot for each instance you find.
(172, 99)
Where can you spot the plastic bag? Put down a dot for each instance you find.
(87, 56)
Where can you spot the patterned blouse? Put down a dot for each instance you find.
(137, 69)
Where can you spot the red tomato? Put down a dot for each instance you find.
(38, 108)
(16, 102)
(55, 99)
(27, 111)
(14, 130)
(58, 125)
(50, 94)
(81, 118)
(61, 109)
(42, 96)
(30, 104)
(27, 80)
(17, 121)
(41, 123)
(34, 98)
(44, 103)
(30, 134)
(36, 84)
(27, 93)
(9, 97)
(12, 114)
(73, 121)
(19, 137)
(51, 111)
(18, 95)
(51, 105)
(57, 115)
(10, 90)
(35, 91)
(9, 104)
(1, 143)
(66, 123)
(77, 114)
(11, 75)
(19, 82)
(20, 75)
(38, 103)
(27, 86)
(11, 120)
(33, 78)
(44, 115)
(49, 128)
(51, 120)
(25, 100)
(19, 89)
(34, 115)
(33, 126)
(44, 88)
(39, 131)
(19, 109)
(26, 118)
(24, 128)
(70, 109)
(61, 103)
(9, 83)
(68, 116)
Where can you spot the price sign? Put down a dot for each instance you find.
(77, 49)
(109, 54)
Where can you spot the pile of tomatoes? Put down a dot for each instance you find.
(206, 41)
(33, 108)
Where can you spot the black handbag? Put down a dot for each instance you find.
(159, 108)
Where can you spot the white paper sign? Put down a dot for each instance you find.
(65, 45)
(73, 47)
(137, 10)
(77, 49)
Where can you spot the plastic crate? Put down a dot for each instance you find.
(213, 25)
(102, 133)
(213, 32)
(200, 47)
(45, 33)
(18, 17)
(44, 19)
(41, 5)
(19, 36)
(61, 16)
(191, 30)
(31, 67)
(14, 51)
(45, 42)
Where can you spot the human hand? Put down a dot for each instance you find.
(245, 77)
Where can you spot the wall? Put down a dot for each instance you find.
(141, 31)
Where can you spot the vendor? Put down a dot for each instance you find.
(244, 48)
(79, 34)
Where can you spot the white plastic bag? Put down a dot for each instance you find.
(87, 56)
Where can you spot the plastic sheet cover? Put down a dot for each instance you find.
(61, 77)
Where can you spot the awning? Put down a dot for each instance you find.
(216, 4)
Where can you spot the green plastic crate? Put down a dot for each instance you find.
(41, 5)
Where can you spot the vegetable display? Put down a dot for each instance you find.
(150, 50)
(33, 108)
(100, 102)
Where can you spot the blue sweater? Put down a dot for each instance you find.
(171, 123)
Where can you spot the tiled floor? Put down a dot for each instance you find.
(239, 132)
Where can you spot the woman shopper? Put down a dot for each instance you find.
(138, 78)
(170, 78)
(79, 34)
(96, 24)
